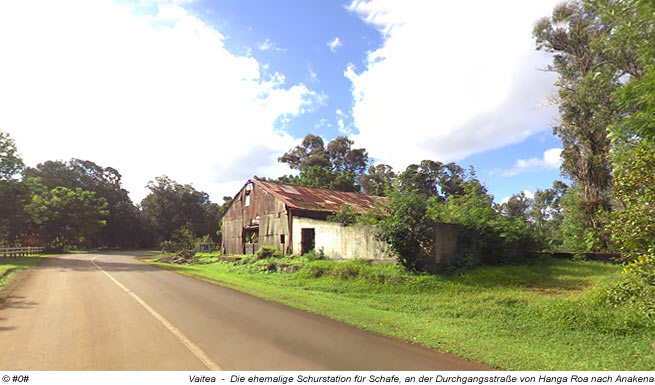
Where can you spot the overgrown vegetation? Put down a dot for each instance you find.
(487, 236)
(547, 315)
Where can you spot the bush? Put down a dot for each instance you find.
(409, 230)
(346, 216)
(637, 288)
(314, 255)
(487, 237)
(268, 252)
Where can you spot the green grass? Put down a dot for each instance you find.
(9, 266)
(550, 315)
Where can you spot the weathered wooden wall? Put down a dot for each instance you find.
(264, 211)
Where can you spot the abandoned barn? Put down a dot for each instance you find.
(293, 220)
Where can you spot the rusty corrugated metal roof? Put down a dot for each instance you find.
(320, 199)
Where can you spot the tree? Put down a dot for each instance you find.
(486, 236)
(633, 222)
(311, 152)
(344, 158)
(588, 74)
(336, 167)
(409, 230)
(518, 206)
(123, 228)
(66, 217)
(13, 195)
(633, 137)
(171, 206)
(378, 181)
(10, 162)
(432, 178)
(547, 214)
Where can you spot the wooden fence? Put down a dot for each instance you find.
(20, 251)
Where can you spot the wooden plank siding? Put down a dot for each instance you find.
(264, 212)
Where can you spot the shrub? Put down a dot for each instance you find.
(637, 288)
(268, 252)
(409, 230)
(346, 216)
(314, 255)
(487, 237)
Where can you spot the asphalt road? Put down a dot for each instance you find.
(113, 312)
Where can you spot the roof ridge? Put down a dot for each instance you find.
(317, 188)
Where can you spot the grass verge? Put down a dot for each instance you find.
(9, 266)
(550, 315)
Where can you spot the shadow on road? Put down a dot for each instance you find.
(16, 302)
(83, 263)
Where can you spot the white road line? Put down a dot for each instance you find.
(195, 349)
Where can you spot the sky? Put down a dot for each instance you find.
(211, 93)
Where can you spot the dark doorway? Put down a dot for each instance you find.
(250, 240)
(306, 240)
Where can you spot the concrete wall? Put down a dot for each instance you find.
(445, 249)
(338, 241)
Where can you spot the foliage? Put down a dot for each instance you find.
(67, 217)
(346, 216)
(10, 161)
(268, 252)
(181, 239)
(171, 206)
(633, 228)
(123, 228)
(431, 178)
(633, 138)
(378, 181)
(409, 230)
(547, 216)
(336, 167)
(633, 155)
(14, 196)
(314, 255)
(588, 75)
(631, 40)
(487, 237)
(637, 288)
(518, 206)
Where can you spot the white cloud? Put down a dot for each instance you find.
(451, 79)
(313, 77)
(333, 45)
(268, 45)
(341, 125)
(147, 94)
(551, 160)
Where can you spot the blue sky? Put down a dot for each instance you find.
(212, 92)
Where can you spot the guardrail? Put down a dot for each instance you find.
(20, 251)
